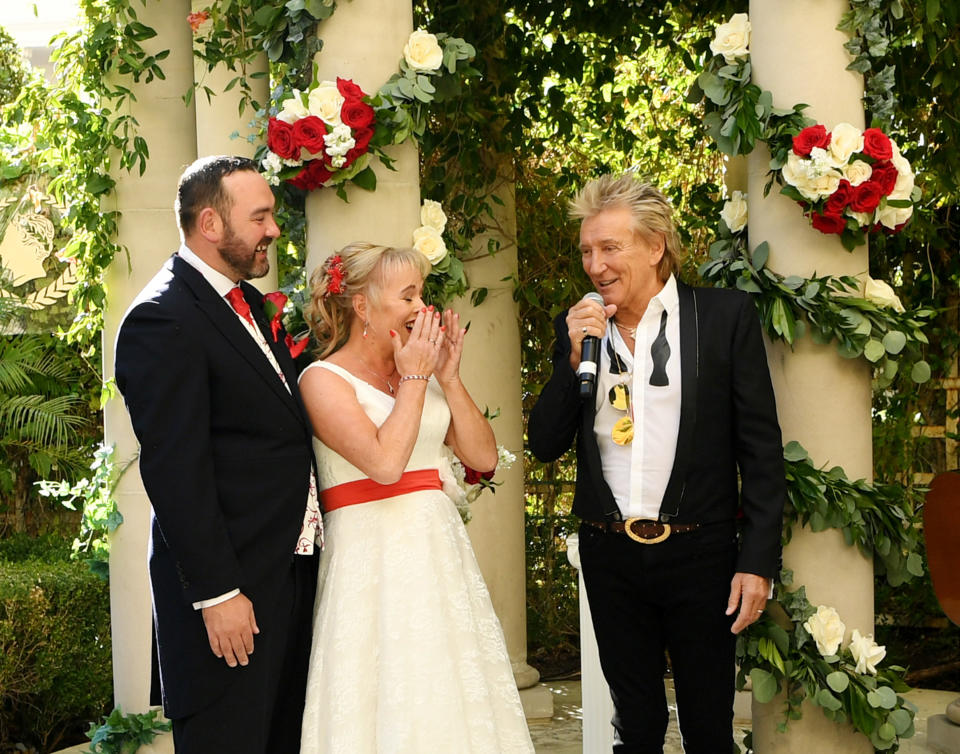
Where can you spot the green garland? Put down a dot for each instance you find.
(788, 305)
(878, 519)
(777, 652)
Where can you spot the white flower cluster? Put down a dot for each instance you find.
(827, 630)
(428, 238)
(453, 478)
(272, 164)
(337, 143)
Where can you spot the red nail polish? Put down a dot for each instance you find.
(393, 333)
(424, 309)
(430, 307)
(443, 328)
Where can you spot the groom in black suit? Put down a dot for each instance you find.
(227, 462)
(680, 480)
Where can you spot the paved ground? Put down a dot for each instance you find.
(562, 734)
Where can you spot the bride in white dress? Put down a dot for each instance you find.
(408, 656)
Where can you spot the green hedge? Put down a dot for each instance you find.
(55, 664)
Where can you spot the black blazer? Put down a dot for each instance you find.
(728, 423)
(225, 457)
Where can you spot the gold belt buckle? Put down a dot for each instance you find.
(628, 528)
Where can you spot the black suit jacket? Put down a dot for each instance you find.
(225, 457)
(728, 424)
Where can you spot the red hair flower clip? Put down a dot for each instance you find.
(335, 273)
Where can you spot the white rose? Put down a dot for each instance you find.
(325, 102)
(904, 185)
(812, 178)
(857, 172)
(432, 215)
(866, 652)
(891, 217)
(422, 51)
(293, 109)
(827, 629)
(880, 293)
(734, 212)
(863, 218)
(429, 242)
(732, 39)
(845, 141)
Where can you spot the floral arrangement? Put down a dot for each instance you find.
(328, 134)
(873, 325)
(798, 646)
(273, 305)
(463, 485)
(848, 181)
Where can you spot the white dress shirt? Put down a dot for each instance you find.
(638, 473)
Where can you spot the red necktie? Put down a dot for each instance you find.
(239, 303)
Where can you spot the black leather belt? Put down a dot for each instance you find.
(647, 531)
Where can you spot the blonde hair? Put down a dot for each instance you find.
(651, 211)
(362, 268)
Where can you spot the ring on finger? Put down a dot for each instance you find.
(583, 330)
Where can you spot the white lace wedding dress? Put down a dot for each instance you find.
(408, 656)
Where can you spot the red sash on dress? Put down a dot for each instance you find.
(365, 490)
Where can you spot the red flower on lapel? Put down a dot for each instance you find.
(295, 346)
(273, 304)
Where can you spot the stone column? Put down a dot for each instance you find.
(220, 117)
(390, 214)
(147, 228)
(833, 425)
(491, 372)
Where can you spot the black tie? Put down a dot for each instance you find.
(660, 351)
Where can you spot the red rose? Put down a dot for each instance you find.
(280, 139)
(829, 224)
(839, 199)
(357, 113)
(309, 132)
(349, 90)
(866, 197)
(876, 144)
(362, 139)
(273, 304)
(313, 175)
(295, 346)
(470, 476)
(810, 137)
(885, 176)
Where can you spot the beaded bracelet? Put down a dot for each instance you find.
(414, 377)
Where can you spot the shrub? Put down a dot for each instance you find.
(55, 668)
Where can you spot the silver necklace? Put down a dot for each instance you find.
(631, 331)
(375, 374)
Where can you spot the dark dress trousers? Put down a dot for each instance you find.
(727, 476)
(225, 458)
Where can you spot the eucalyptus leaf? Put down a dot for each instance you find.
(828, 701)
(795, 452)
(760, 255)
(920, 372)
(894, 341)
(873, 350)
(764, 685)
(838, 681)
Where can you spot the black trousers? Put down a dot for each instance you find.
(670, 596)
(261, 712)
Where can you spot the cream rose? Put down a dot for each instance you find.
(904, 185)
(422, 51)
(880, 293)
(866, 652)
(325, 102)
(863, 218)
(845, 141)
(429, 242)
(827, 629)
(806, 176)
(432, 215)
(732, 39)
(857, 172)
(891, 217)
(293, 109)
(734, 212)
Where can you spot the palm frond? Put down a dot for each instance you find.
(50, 422)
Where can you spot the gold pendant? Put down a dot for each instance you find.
(622, 433)
(620, 397)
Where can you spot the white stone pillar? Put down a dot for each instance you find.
(491, 372)
(147, 228)
(220, 117)
(390, 214)
(832, 424)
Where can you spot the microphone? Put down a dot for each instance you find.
(589, 357)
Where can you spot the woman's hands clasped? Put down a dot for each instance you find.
(419, 355)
